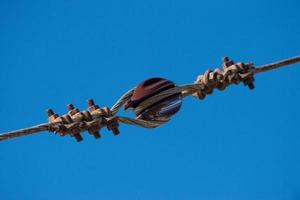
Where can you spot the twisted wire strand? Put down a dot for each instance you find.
(276, 65)
(220, 78)
(25, 131)
(120, 102)
(140, 122)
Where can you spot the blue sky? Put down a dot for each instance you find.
(237, 144)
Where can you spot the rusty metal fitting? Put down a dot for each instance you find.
(227, 62)
(51, 115)
(87, 115)
(67, 119)
(75, 114)
(78, 137)
(92, 107)
(72, 109)
(113, 125)
(95, 132)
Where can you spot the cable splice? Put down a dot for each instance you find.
(94, 118)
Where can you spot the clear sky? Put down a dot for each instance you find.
(237, 144)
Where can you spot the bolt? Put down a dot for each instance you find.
(96, 135)
(78, 137)
(251, 86)
(87, 115)
(225, 59)
(50, 112)
(115, 131)
(90, 102)
(68, 119)
(70, 106)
